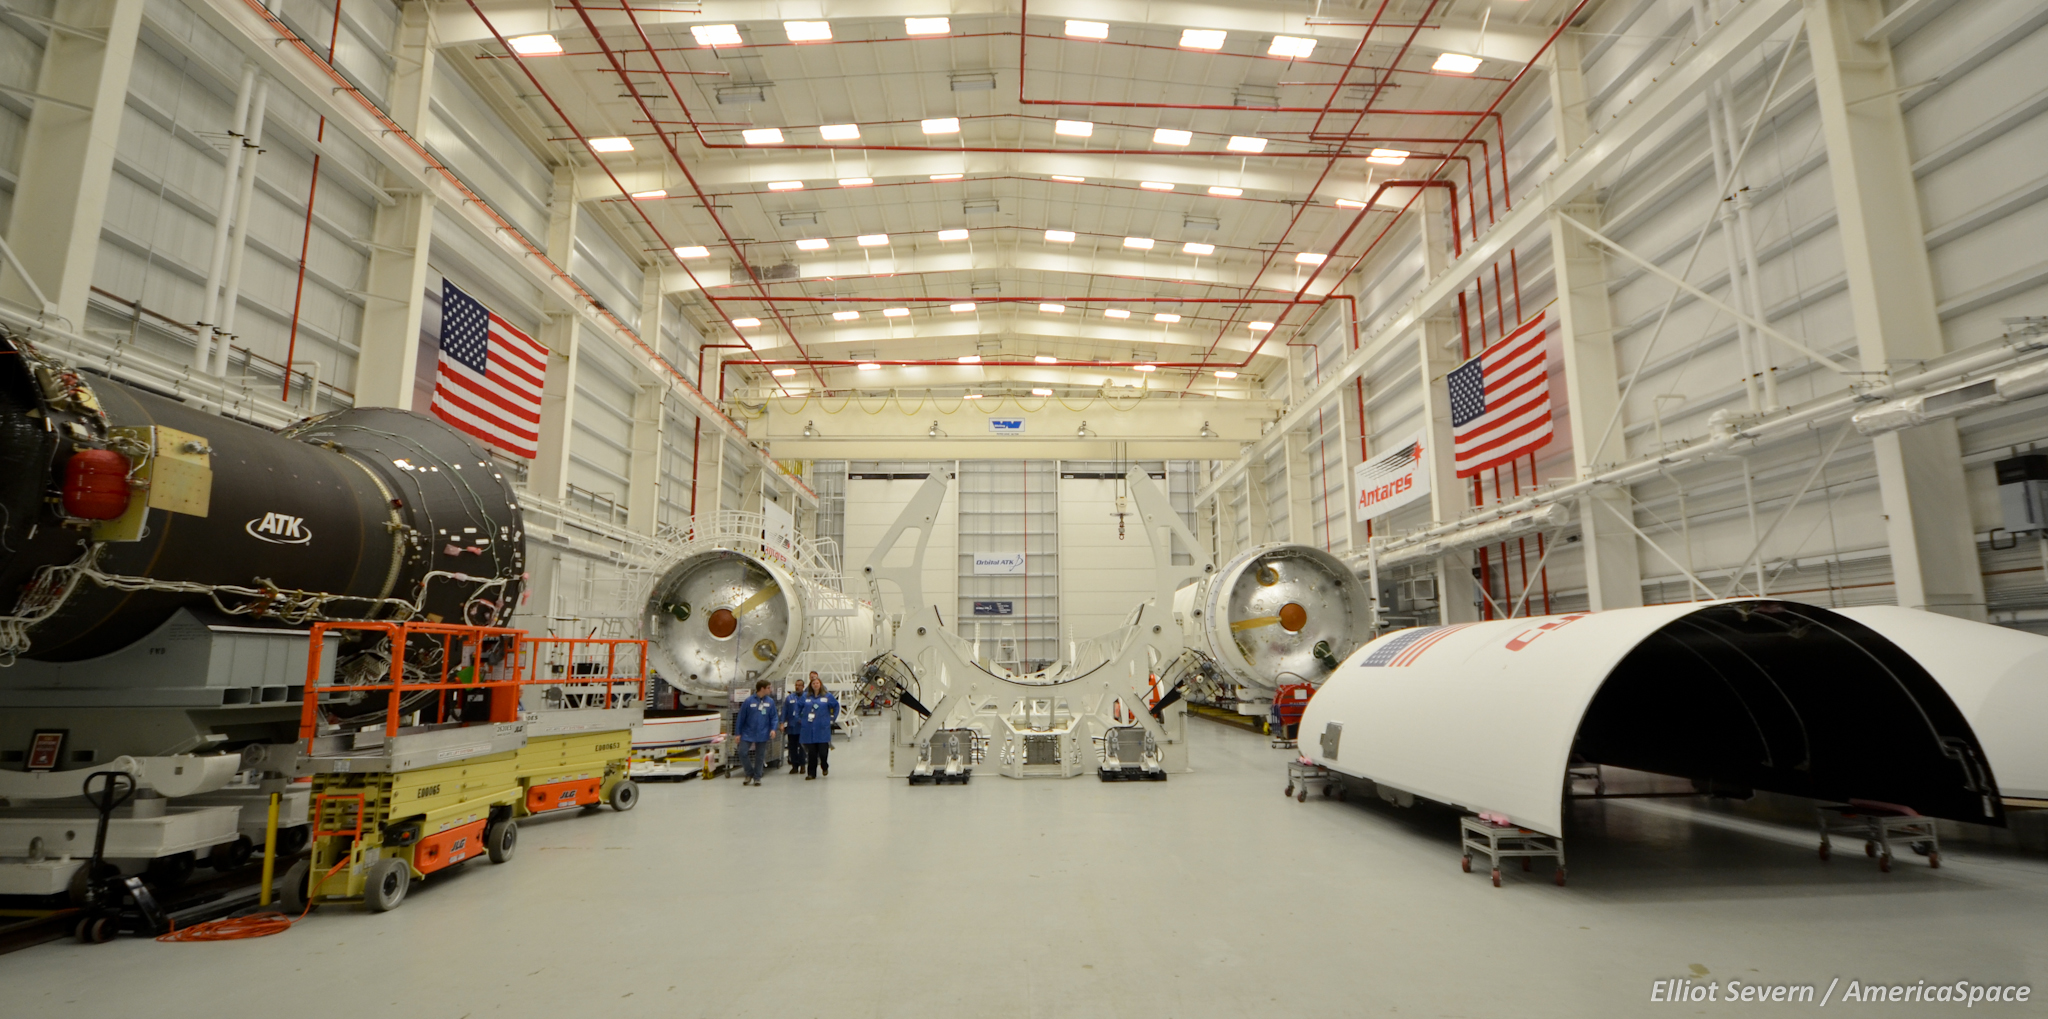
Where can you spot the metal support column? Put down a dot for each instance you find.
(1258, 529)
(67, 163)
(387, 371)
(1614, 577)
(1891, 302)
(563, 336)
(1354, 430)
(643, 498)
(1436, 345)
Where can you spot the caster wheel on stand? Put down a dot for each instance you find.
(1465, 864)
(1496, 877)
(1302, 796)
(1560, 877)
(1290, 790)
(1823, 852)
(1934, 860)
(1884, 863)
(1870, 849)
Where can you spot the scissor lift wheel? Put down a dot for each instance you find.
(386, 884)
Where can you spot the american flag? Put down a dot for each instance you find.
(1500, 400)
(1403, 648)
(489, 383)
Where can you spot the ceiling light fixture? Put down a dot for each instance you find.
(810, 429)
(855, 182)
(1455, 63)
(807, 31)
(813, 244)
(927, 26)
(1041, 392)
(1166, 316)
(745, 323)
(963, 306)
(845, 316)
(1208, 432)
(1201, 38)
(952, 235)
(648, 196)
(948, 176)
(1115, 313)
(762, 136)
(1388, 157)
(1060, 236)
(973, 82)
(716, 35)
(971, 396)
(941, 125)
(869, 366)
(1310, 258)
(1226, 375)
(839, 132)
(1259, 327)
(1045, 359)
(895, 312)
(1074, 128)
(1087, 29)
(1197, 248)
(786, 185)
(1053, 309)
(1153, 185)
(1290, 46)
(1172, 136)
(1226, 192)
(1346, 203)
(1141, 243)
(872, 240)
(970, 359)
(1145, 367)
(611, 145)
(1068, 179)
(782, 373)
(693, 251)
(542, 45)
(1245, 143)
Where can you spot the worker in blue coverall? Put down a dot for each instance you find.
(755, 726)
(815, 726)
(794, 747)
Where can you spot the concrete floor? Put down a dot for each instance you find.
(1207, 895)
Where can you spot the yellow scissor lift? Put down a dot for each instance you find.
(396, 803)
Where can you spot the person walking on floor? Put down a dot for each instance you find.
(820, 708)
(793, 747)
(755, 726)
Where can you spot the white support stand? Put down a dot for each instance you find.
(1045, 723)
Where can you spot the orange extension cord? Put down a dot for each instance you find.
(235, 928)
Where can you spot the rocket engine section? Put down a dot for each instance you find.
(720, 620)
(119, 507)
(1275, 614)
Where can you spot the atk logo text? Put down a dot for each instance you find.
(279, 529)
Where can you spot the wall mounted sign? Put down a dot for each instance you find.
(998, 564)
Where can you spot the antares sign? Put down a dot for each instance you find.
(1392, 479)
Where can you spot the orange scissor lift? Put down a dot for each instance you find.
(489, 725)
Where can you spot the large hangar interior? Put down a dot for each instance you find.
(456, 456)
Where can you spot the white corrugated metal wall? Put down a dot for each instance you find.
(1973, 111)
